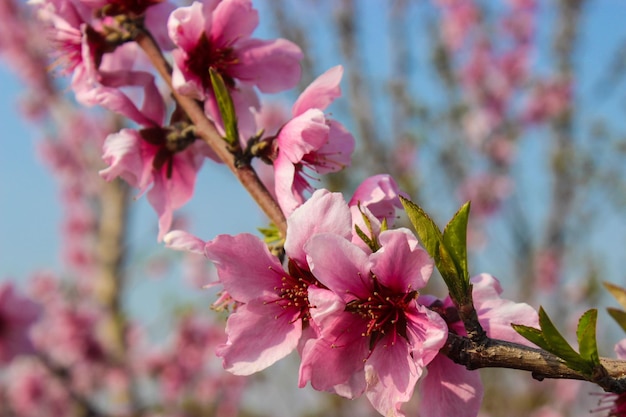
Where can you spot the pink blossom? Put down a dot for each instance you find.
(17, 315)
(145, 158)
(68, 335)
(217, 35)
(274, 311)
(374, 336)
(99, 68)
(486, 192)
(380, 194)
(34, 392)
(549, 99)
(310, 140)
(450, 389)
(459, 17)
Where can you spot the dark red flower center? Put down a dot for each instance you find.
(169, 141)
(293, 291)
(385, 312)
(207, 55)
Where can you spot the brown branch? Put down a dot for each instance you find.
(500, 354)
(207, 132)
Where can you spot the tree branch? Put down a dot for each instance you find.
(501, 354)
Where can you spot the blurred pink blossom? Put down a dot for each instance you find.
(17, 316)
(145, 159)
(34, 392)
(486, 193)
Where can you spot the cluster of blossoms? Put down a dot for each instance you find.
(351, 306)
(346, 294)
(93, 41)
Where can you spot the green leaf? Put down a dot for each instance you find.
(559, 346)
(618, 292)
(455, 240)
(619, 316)
(271, 234)
(226, 106)
(425, 227)
(449, 254)
(532, 334)
(586, 334)
(371, 243)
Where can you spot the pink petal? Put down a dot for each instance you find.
(496, 314)
(321, 92)
(427, 333)
(337, 356)
(336, 153)
(284, 175)
(245, 266)
(379, 194)
(340, 265)
(186, 25)
(323, 212)
(128, 159)
(233, 21)
(259, 334)
(169, 194)
(303, 134)
(272, 66)
(401, 264)
(391, 375)
(449, 389)
(181, 240)
(95, 92)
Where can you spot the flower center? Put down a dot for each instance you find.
(206, 55)
(385, 312)
(293, 291)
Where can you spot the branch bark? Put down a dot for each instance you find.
(501, 354)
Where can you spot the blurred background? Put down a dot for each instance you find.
(515, 105)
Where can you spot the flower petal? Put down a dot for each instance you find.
(245, 266)
(449, 389)
(259, 334)
(340, 265)
(391, 375)
(272, 66)
(233, 21)
(400, 263)
(323, 212)
(321, 92)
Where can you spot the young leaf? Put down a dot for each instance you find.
(586, 334)
(371, 243)
(453, 270)
(532, 334)
(226, 106)
(619, 316)
(455, 240)
(559, 346)
(425, 227)
(618, 292)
